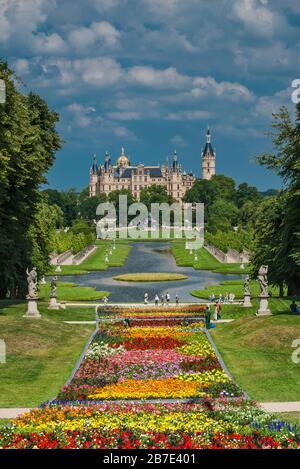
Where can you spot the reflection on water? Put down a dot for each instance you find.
(149, 257)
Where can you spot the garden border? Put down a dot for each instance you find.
(225, 369)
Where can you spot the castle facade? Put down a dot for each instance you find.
(109, 177)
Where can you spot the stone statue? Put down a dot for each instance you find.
(32, 284)
(263, 280)
(246, 285)
(53, 288)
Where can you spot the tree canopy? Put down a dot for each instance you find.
(277, 239)
(28, 143)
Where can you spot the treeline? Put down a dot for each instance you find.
(75, 239)
(239, 240)
(28, 143)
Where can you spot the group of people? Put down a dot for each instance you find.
(228, 298)
(294, 308)
(164, 299)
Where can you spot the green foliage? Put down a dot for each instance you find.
(225, 205)
(223, 215)
(155, 194)
(62, 241)
(28, 142)
(238, 240)
(277, 241)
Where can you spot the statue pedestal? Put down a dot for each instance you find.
(247, 300)
(53, 304)
(263, 307)
(32, 310)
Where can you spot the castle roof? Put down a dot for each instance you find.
(154, 171)
(208, 149)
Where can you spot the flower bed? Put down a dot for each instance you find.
(167, 361)
(232, 425)
(159, 362)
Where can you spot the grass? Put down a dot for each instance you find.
(41, 353)
(96, 260)
(149, 277)
(258, 351)
(232, 286)
(71, 292)
(292, 417)
(4, 422)
(205, 260)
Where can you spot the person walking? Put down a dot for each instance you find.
(216, 311)
(168, 297)
(207, 316)
(146, 298)
(177, 299)
(156, 299)
(219, 311)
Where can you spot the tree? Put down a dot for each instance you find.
(155, 194)
(246, 193)
(88, 205)
(223, 216)
(28, 142)
(67, 201)
(278, 243)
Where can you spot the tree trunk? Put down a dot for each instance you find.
(294, 287)
(281, 290)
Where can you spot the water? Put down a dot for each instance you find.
(149, 257)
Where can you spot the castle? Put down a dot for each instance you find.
(123, 175)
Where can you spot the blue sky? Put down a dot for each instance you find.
(150, 75)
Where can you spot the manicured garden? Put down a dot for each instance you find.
(150, 277)
(40, 353)
(96, 260)
(71, 292)
(261, 348)
(137, 357)
(232, 286)
(205, 260)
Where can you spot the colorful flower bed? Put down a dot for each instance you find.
(142, 362)
(165, 361)
(155, 426)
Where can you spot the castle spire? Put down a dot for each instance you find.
(208, 158)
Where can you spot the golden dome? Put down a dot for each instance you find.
(123, 160)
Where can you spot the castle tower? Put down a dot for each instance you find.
(208, 158)
(93, 178)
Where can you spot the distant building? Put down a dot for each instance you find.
(208, 158)
(123, 175)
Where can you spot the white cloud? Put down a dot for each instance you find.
(256, 16)
(21, 66)
(267, 105)
(52, 44)
(124, 133)
(82, 115)
(203, 86)
(84, 37)
(124, 116)
(189, 115)
(20, 18)
(149, 76)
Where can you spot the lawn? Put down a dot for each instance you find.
(96, 260)
(205, 260)
(232, 286)
(71, 292)
(258, 351)
(150, 277)
(41, 353)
